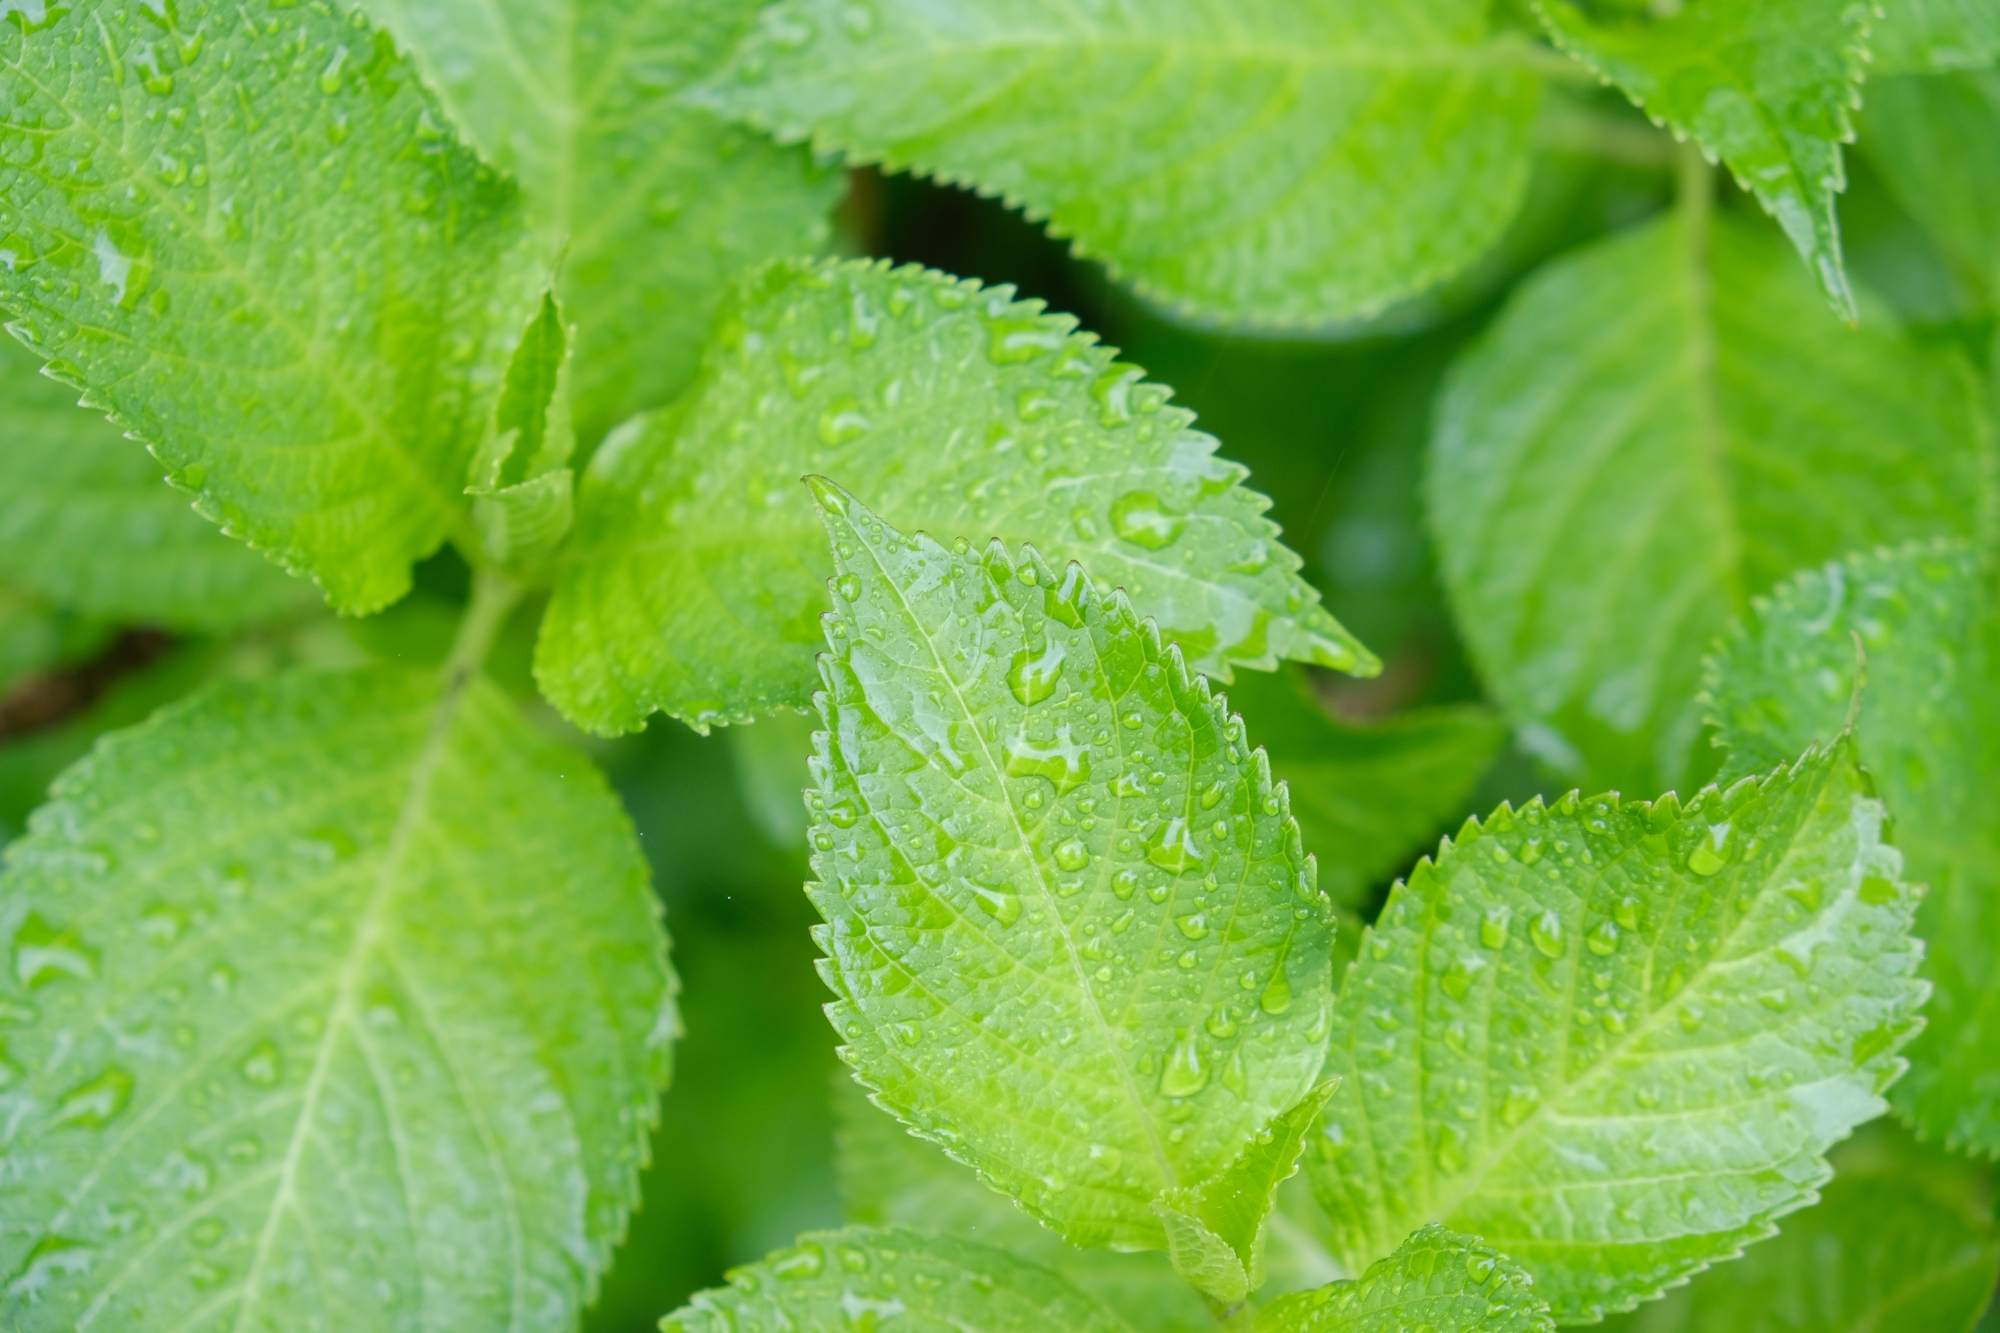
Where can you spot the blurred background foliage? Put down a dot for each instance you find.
(1332, 429)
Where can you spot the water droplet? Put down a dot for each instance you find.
(1277, 996)
(1629, 913)
(1003, 905)
(1479, 1267)
(43, 954)
(207, 1232)
(1458, 977)
(330, 78)
(1062, 761)
(1013, 341)
(261, 1066)
(1194, 926)
(1703, 860)
(1603, 939)
(1519, 1103)
(1072, 855)
(1174, 849)
(1186, 1073)
(804, 1261)
(1140, 518)
(842, 421)
(1033, 676)
(1493, 926)
(96, 1102)
(841, 815)
(1124, 882)
(1221, 1022)
(51, 1258)
(1546, 931)
(848, 586)
(1450, 1154)
(1113, 392)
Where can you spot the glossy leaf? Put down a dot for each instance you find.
(1653, 431)
(698, 573)
(333, 974)
(863, 1277)
(1768, 86)
(1894, 1244)
(1070, 928)
(87, 522)
(890, 1177)
(244, 233)
(1926, 728)
(1369, 797)
(1617, 1039)
(1435, 1279)
(1936, 141)
(1248, 161)
(655, 203)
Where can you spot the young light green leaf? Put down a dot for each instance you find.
(654, 202)
(242, 231)
(1435, 1279)
(1920, 36)
(1768, 86)
(841, 1281)
(697, 575)
(1653, 431)
(1616, 1039)
(888, 1176)
(1936, 142)
(1890, 1246)
(1315, 163)
(87, 522)
(1216, 1230)
(1073, 935)
(523, 492)
(1929, 716)
(1367, 798)
(328, 974)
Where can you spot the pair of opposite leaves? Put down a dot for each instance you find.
(1072, 929)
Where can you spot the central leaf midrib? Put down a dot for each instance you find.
(1107, 1039)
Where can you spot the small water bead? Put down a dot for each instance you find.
(1186, 1073)
(96, 1101)
(1072, 855)
(1493, 926)
(1194, 926)
(1546, 932)
(1124, 883)
(1603, 939)
(1033, 800)
(1629, 913)
(848, 586)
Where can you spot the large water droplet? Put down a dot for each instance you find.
(1546, 931)
(1603, 939)
(1033, 675)
(843, 420)
(1277, 996)
(1142, 519)
(51, 1258)
(261, 1066)
(1493, 926)
(1072, 855)
(807, 1260)
(1519, 1103)
(1458, 977)
(1016, 340)
(43, 954)
(1061, 761)
(1173, 848)
(1450, 1154)
(1194, 926)
(1186, 1073)
(1003, 905)
(97, 1102)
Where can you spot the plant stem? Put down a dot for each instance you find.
(1567, 129)
(494, 595)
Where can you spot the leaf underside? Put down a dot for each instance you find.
(1768, 86)
(698, 573)
(1645, 439)
(1073, 935)
(1316, 164)
(260, 206)
(336, 1002)
(1929, 716)
(1616, 1039)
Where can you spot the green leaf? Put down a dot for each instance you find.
(1926, 729)
(843, 1281)
(523, 492)
(1936, 142)
(242, 231)
(1435, 1279)
(86, 521)
(1367, 797)
(889, 1177)
(1216, 1230)
(656, 203)
(329, 974)
(1616, 1039)
(1917, 36)
(1653, 431)
(1890, 1246)
(1254, 162)
(696, 578)
(1768, 86)
(1073, 935)
(35, 636)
